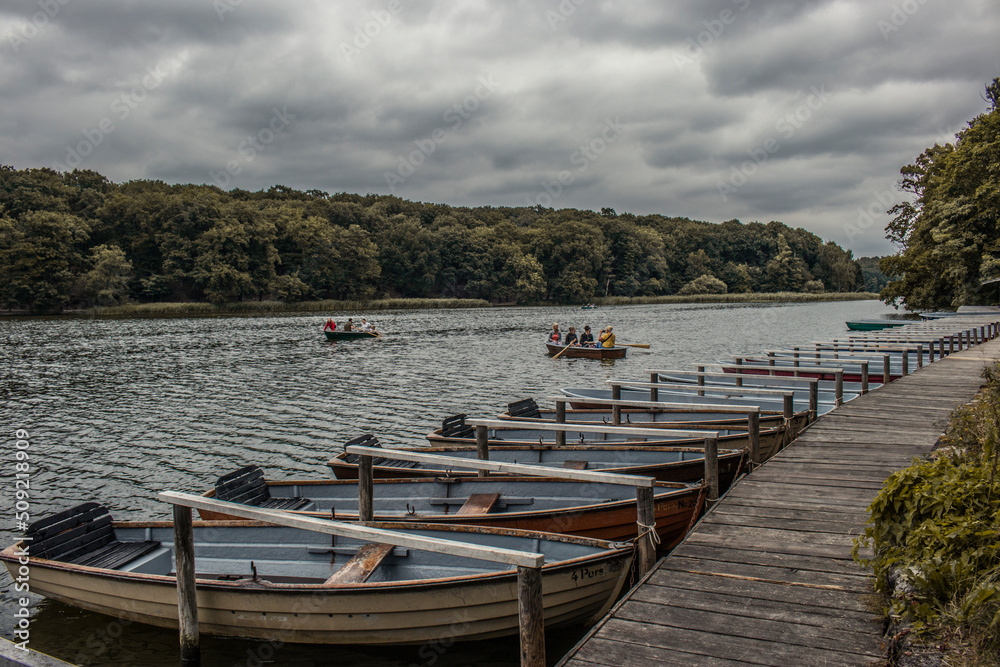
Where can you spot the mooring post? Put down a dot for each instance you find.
(920, 355)
(530, 616)
(885, 369)
(712, 467)
(701, 380)
(906, 362)
(616, 410)
(814, 401)
(795, 356)
(654, 392)
(560, 419)
(366, 490)
(951, 345)
(645, 518)
(483, 447)
(187, 593)
(753, 424)
(739, 372)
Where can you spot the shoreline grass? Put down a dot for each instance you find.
(197, 309)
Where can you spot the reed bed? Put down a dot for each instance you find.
(193, 309)
(739, 297)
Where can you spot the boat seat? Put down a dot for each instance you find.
(84, 535)
(526, 408)
(574, 465)
(248, 487)
(455, 427)
(361, 566)
(371, 441)
(479, 503)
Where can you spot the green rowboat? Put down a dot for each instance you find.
(351, 335)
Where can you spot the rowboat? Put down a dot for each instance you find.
(585, 509)
(875, 325)
(586, 352)
(665, 464)
(809, 369)
(825, 388)
(292, 585)
(351, 335)
(455, 432)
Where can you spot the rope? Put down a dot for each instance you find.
(648, 530)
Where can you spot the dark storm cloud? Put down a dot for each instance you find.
(754, 109)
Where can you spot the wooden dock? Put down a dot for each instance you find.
(767, 577)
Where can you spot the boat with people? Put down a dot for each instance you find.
(664, 463)
(582, 352)
(351, 335)
(287, 584)
(586, 509)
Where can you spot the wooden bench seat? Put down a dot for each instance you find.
(83, 535)
(361, 566)
(248, 487)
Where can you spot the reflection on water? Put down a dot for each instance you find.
(118, 410)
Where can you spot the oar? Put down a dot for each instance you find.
(642, 345)
(375, 334)
(559, 353)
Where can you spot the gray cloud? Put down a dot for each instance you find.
(367, 87)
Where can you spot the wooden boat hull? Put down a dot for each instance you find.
(587, 352)
(599, 511)
(871, 325)
(576, 590)
(665, 464)
(874, 371)
(348, 335)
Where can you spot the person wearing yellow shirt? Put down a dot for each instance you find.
(607, 338)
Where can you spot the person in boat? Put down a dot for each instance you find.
(365, 326)
(555, 336)
(607, 337)
(330, 325)
(571, 338)
(350, 324)
(587, 338)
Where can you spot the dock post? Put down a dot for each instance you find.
(906, 362)
(654, 392)
(616, 410)
(838, 384)
(712, 467)
(920, 355)
(366, 490)
(814, 401)
(483, 447)
(701, 380)
(560, 419)
(187, 593)
(930, 352)
(951, 345)
(753, 424)
(770, 362)
(795, 356)
(645, 518)
(739, 372)
(788, 412)
(885, 369)
(530, 616)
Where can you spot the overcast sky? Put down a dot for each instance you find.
(801, 112)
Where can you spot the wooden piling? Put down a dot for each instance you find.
(187, 593)
(886, 377)
(530, 616)
(645, 518)
(753, 424)
(560, 419)
(616, 410)
(814, 401)
(712, 467)
(654, 392)
(366, 490)
(701, 380)
(483, 447)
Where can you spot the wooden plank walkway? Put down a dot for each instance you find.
(766, 577)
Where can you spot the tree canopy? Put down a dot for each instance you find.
(949, 237)
(76, 239)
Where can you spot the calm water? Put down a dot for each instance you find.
(118, 410)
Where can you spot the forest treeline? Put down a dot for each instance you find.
(76, 239)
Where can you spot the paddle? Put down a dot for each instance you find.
(642, 345)
(559, 353)
(374, 334)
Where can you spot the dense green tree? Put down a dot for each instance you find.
(949, 236)
(704, 284)
(107, 282)
(41, 256)
(785, 272)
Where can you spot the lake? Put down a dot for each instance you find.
(120, 409)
